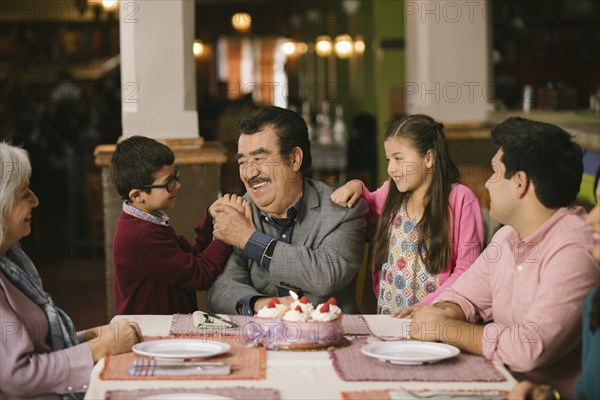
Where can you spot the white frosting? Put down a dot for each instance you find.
(276, 312)
(306, 308)
(333, 313)
(296, 316)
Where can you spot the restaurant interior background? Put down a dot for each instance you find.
(340, 64)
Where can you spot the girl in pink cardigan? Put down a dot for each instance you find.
(431, 230)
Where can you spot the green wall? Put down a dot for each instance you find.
(388, 65)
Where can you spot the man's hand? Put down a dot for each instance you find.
(445, 322)
(348, 194)
(427, 323)
(529, 390)
(406, 312)
(232, 226)
(452, 310)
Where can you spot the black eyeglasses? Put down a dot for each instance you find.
(170, 185)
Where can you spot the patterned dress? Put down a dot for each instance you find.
(404, 281)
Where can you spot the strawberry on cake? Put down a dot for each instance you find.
(274, 309)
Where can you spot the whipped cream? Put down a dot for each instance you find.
(306, 308)
(333, 313)
(296, 316)
(276, 312)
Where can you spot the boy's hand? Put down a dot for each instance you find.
(233, 200)
(348, 194)
(233, 227)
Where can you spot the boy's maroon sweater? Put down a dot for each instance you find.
(157, 271)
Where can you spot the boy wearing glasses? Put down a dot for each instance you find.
(157, 271)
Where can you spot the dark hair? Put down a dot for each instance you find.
(435, 242)
(596, 179)
(546, 153)
(135, 161)
(290, 128)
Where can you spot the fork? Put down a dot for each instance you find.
(388, 338)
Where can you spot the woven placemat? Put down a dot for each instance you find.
(387, 394)
(238, 392)
(183, 324)
(351, 365)
(245, 362)
(366, 395)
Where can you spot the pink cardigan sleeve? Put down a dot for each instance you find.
(467, 237)
(375, 200)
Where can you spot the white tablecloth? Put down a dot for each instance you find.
(297, 375)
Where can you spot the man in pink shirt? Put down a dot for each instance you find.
(529, 284)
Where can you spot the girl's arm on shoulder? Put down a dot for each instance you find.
(348, 194)
(467, 236)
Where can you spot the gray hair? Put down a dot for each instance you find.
(15, 169)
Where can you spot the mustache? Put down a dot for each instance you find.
(256, 181)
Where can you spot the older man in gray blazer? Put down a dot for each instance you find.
(296, 237)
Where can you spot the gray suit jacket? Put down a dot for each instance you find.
(323, 258)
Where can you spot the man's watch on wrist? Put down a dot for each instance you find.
(553, 394)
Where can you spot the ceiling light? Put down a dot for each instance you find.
(359, 45)
(302, 48)
(323, 46)
(343, 46)
(198, 48)
(241, 22)
(288, 47)
(109, 4)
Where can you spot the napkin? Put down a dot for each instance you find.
(204, 321)
(147, 367)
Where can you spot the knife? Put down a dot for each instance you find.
(178, 365)
(174, 368)
(215, 316)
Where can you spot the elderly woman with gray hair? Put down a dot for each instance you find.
(42, 354)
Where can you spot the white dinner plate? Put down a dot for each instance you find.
(185, 396)
(181, 348)
(410, 352)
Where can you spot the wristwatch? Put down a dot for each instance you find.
(553, 393)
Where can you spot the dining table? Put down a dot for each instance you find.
(300, 374)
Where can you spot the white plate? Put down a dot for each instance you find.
(185, 396)
(410, 352)
(181, 348)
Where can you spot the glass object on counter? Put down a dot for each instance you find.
(308, 120)
(323, 130)
(340, 130)
(595, 100)
(527, 98)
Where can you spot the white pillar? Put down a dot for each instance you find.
(447, 59)
(157, 69)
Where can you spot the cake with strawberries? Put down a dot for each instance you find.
(300, 326)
